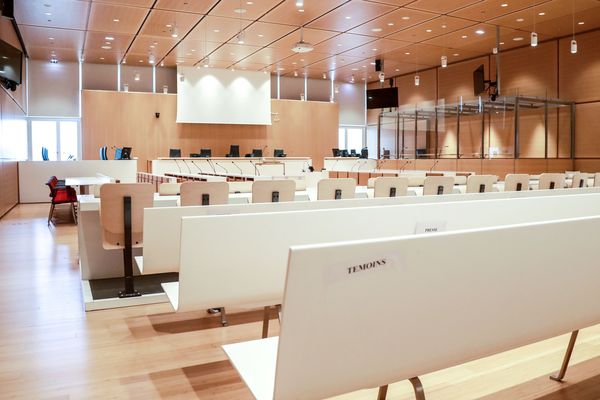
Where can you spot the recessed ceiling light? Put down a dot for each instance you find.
(444, 26)
(376, 30)
(48, 13)
(407, 53)
(541, 14)
(354, 69)
(249, 3)
(504, 5)
(397, 70)
(102, 58)
(406, 18)
(364, 66)
(301, 10)
(168, 25)
(480, 31)
(109, 38)
(520, 19)
(216, 30)
(372, 63)
(348, 17)
(261, 35)
(152, 46)
(518, 39)
(294, 63)
(193, 50)
(390, 24)
(501, 43)
(455, 54)
(464, 36)
(580, 23)
(143, 61)
(51, 38)
(106, 47)
(428, 30)
(240, 10)
(116, 20)
(374, 49)
(302, 59)
(280, 68)
(339, 45)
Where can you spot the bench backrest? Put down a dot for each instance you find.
(551, 181)
(481, 183)
(389, 186)
(441, 309)
(516, 182)
(336, 189)
(212, 275)
(277, 190)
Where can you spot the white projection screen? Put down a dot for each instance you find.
(220, 96)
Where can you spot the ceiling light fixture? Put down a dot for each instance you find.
(116, 20)
(151, 58)
(240, 37)
(444, 61)
(573, 41)
(534, 35)
(109, 38)
(480, 31)
(520, 19)
(54, 60)
(517, 39)
(174, 31)
(417, 80)
(324, 75)
(580, 23)
(136, 76)
(300, 3)
(352, 79)
(296, 73)
(302, 46)
(504, 5)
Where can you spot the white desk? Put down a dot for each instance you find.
(84, 182)
(256, 362)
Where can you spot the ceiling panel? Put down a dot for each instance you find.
(116, 19)
(288, 13)
(217, 29)
(102, 57)
(188, 6)
(303, 60)
(51, 13)
(133, 3)
(342, 42)
(379, 46)
(169, 23)
(52, 37)
(44, 53)
(262, 34)
(441, 7)
(431, 29)
(313, 36)
(488, 9)
(159, 46)
(351, 15)
(233, 52)
(393, 22)
(107, 43)
(194, 48)
(269, 55)
(245, 9)
(335, 62)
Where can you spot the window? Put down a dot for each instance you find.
(59, 136)
(351, 138)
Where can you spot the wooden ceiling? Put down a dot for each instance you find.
(348, 35)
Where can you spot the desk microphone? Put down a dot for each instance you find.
(237, 166)
(225, 169)
(256, 171)
(177, 164)
(334, 164)
(195, 165)
(211, 166)
(354, 165)
(404, 165)
(187, 166)
(434, 164)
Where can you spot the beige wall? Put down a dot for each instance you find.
(301, 128)
(53, 89)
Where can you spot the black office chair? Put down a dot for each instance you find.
(386, 154)
(344, 153)
(279, 153)
(234, 151)
(257, 153)
(205, 153)
(126, 153)
(174, 153)
(353, 153)
(336, 152)
(195, 155)
(364, 152)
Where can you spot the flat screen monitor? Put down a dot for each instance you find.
(11, 60)
(257, 153)
(126, 153)
(382, 98)
(174, 153)
(478, 81)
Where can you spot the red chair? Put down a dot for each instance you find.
(61, 194)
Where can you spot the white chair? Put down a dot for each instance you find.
(390, 186)
(204, 193)
(169, 189)
(273, 191)
(551, 181)
(481, 183)
(438, 185)
(336, 189)
(597, 179)
(516, 182)
(579, 180)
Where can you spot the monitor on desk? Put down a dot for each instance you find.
(126, 153)
(205, 153)
(118, 153)
(257, 153)
(234, 151)
(336, 152)
(174, 153)
(278, 153)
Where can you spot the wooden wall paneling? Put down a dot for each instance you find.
(532, 166)
(498, 166)
(446, 165)
(501, 133)
(559, 165)
(470, 136)
(447, 137)
(469, 165)
(579, 74)
(532, 133)
(322, 130)
(586, 165)
(587, 121)
(10, 111)
(409, 94)
(456, 80)
(394, 164)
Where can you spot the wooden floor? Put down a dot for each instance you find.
(51, 349)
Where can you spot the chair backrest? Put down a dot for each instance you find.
(126, 153)
(480, 183)
(390, 186)
(579, 180)
(551, 181)
(278, 153)
(205, 153)
(174, 153)
(438, 185)
(118, 153)
(204, 193)
(51, 183)
(273, 191)
(257, 153)
(103, 155)
(112, 212)
(516, 182)
(364, 152)
(234, 150)
(45, 156)
(597, 179)
(336, 189)
(335, 152)
(169, 189)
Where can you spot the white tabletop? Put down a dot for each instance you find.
(256, 362)
(86, 180)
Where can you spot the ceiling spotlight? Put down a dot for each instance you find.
(206, 62)
(580, 23)
(417, 80)
(109, 38)
(162, 63)
(352, 79)
(174, 31)
(520, 19)
(381, 77)
(573, 46)
(480, 31)
(300, 3)
(115, 20)
(240, 37)
(534, 39)
(324, 75)
(151, 58)
(444, 61)
(541, 14)
(136, 77)
(504, 5)
(296, 73)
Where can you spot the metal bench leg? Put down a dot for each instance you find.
(382, 392)
(224, 317)
(563, 369)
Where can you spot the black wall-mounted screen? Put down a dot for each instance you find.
(382, 98)
(478, 81)
(11, 60)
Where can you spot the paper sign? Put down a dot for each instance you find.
(360, 268)
(430, 227)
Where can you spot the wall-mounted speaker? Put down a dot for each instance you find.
(8, 8)
(378, 65)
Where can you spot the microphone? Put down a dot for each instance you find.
(434, 164)
(237, 166)
(334, 164)
(177, 164)
(187, 166)
(211, 166)
(404, 165)
(224, 169)
(354, 165)
(195, 165)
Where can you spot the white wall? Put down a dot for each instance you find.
(53, 89)
(166, 76)
(99, 76)
(128, 73)
(351, 98)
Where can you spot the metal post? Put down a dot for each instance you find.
(546, 129)
(497, 59)
(402, 151)
(127, 252)
(517, 147)
(416, 129)
(482, 131)
(572, 130)
(379, 137)
(397, 136)
(458, 132)
(436, 133)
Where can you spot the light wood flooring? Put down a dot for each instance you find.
(51, 349)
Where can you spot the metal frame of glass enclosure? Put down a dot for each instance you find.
(479, 106)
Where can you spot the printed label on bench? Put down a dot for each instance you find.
(430, 227)
(359, 268)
